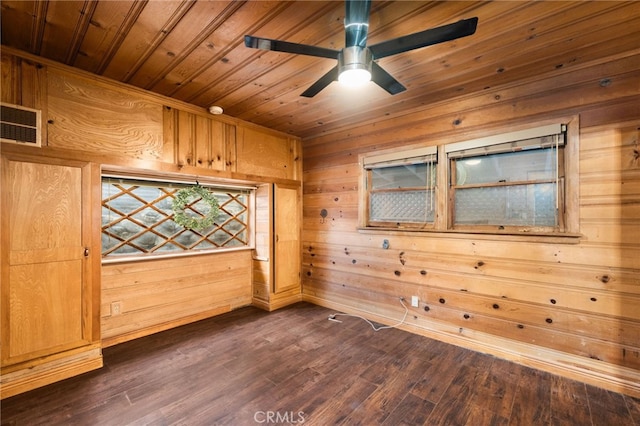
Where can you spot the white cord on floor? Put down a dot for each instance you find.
(332, 317)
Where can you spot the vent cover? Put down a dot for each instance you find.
(20, 125)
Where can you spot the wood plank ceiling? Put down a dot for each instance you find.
(194, 50)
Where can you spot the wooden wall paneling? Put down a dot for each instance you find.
(87, 116)
(231, 148)
(185, 142)
(164, 293)
(24, 83)
(170, 135)
(476, 313)
(33, 87)
(263, 253)
(512, 278)
(10, 81)
(93, 230)
(217, 145)
(203, 140)
(610, 186)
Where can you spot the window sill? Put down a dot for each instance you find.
(531, 237)
(150, 257)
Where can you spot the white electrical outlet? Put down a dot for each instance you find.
(414, 301)
(116, 308)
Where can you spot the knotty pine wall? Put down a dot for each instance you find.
(127, 130)
(568, 308)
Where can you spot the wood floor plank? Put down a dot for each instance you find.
(608, 407)
(494, 399)
(569, 402)
(410, 411)
(438, 377)
(633, 405)
(455, 406)
(393, 386)
(297, 367)
(532, 402)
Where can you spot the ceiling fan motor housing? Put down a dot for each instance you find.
(354, 58)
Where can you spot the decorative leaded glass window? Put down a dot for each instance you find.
(138, 219)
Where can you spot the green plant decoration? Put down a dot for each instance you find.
(189, 196)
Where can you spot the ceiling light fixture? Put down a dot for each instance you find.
(215, 110)
(354, 66)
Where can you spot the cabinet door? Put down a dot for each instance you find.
(46, 293)
(287, 250)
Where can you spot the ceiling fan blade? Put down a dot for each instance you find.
(323, 82)
(420, 39)
(285, 46)
(385, 80)
(356, 22)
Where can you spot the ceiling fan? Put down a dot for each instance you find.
(356, 61)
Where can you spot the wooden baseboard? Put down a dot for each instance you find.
(121, 338)
(586, 370)
(47, 372)
(278, 303)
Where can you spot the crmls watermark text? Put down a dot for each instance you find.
(279, 417)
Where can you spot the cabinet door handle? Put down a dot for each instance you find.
(86, 252)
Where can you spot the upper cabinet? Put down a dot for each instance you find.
(192, 139)
(268, 154)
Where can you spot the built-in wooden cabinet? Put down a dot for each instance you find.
(197, 140)
(50, 318)
(277, 260)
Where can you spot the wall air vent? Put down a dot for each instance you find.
(20, 125)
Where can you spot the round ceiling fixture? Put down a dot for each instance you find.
(215, 110)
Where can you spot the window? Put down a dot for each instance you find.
(137, 219)
(514, 185)
(401, 189)
(521, 182)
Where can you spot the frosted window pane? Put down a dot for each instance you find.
(518, 205)
(405, 206)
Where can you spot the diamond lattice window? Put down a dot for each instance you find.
(137, 219)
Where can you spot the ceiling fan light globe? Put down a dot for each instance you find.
(354, 77)
(354, 64)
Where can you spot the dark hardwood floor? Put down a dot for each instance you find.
(293, 366)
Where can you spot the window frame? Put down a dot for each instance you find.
(523, 142)
(168, 179)
(425, 155)
(568, 216)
